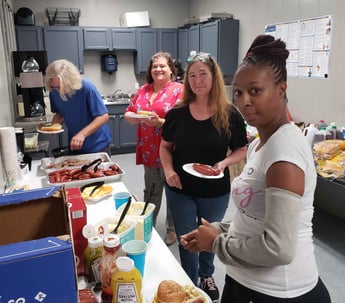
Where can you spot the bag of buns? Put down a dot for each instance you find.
(327, 149)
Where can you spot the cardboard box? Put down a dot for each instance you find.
(38, 271)
(78, 216)
(33, 214)
(37, 265)
(134, 19)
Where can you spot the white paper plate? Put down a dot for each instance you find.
(189, 169)
(50, 132)
(134, 115)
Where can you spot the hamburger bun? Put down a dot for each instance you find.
(51, 128)
(170, 292)
(144, 112)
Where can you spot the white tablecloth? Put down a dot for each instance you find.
(160, 263)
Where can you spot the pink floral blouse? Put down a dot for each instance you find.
(149, 138)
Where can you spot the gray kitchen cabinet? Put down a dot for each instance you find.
(146, 47)
(29, 38)
(106, 38)
(64, 42)
(183, 49)
(194, 38)
(151, 41)
(123, 134)
(124, 38)
(220, 39)
(97, 38)
(167, 41)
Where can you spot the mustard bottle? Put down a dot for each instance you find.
(126, 282)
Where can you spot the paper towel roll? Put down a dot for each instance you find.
(8, 150)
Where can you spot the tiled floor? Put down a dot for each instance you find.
(329, 234)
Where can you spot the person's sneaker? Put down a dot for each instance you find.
(209, 286)
(170, 238)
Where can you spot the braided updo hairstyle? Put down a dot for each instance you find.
(265, 50)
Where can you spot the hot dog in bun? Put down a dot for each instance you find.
(51, 128)
(144, 112)
(170, 291)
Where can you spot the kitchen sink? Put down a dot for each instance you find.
(108, 100)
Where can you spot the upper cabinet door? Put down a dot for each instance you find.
(97, 38)
(183, 52)
(146, 48)
(123, 39)
(194, 38)
(29, 38)
(64, 42)
(167, 41)
(220, 39)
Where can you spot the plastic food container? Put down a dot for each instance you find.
(144, 223)
(126, 229)
(30, 141)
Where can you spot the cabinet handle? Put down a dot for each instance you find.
(121, 116)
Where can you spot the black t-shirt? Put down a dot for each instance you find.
(199, 142)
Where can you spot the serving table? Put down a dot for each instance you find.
(160, 263)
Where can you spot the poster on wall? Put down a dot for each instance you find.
(309, 44)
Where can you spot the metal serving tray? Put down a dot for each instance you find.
(50, 160)
(78, 183)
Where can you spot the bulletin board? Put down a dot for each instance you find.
(309, 44)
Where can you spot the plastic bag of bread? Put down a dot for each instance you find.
(328, 149)
(334, 168)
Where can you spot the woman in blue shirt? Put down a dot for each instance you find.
(76, 102)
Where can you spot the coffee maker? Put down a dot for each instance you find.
(33, 97)
(30, 66)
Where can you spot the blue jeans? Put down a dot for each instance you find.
(187, 212)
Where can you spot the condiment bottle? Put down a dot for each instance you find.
(92, 258)
(126, 282)
(111, 250)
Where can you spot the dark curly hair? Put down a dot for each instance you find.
(266, 50)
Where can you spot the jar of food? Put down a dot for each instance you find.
(92, 258)
(111, 251)
(126, 282)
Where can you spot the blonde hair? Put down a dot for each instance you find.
(68, 74)
(220, 103)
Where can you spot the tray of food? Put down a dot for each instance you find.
(48, 164)
(77, 176)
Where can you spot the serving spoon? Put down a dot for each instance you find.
(124, 212)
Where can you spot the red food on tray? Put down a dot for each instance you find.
(77, 174)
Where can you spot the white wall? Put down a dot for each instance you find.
(309, 99)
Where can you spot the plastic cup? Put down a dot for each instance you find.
(121, 198)
(136, 250)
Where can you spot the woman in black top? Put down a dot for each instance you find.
(202, 128)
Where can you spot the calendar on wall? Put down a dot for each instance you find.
(309, 44)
